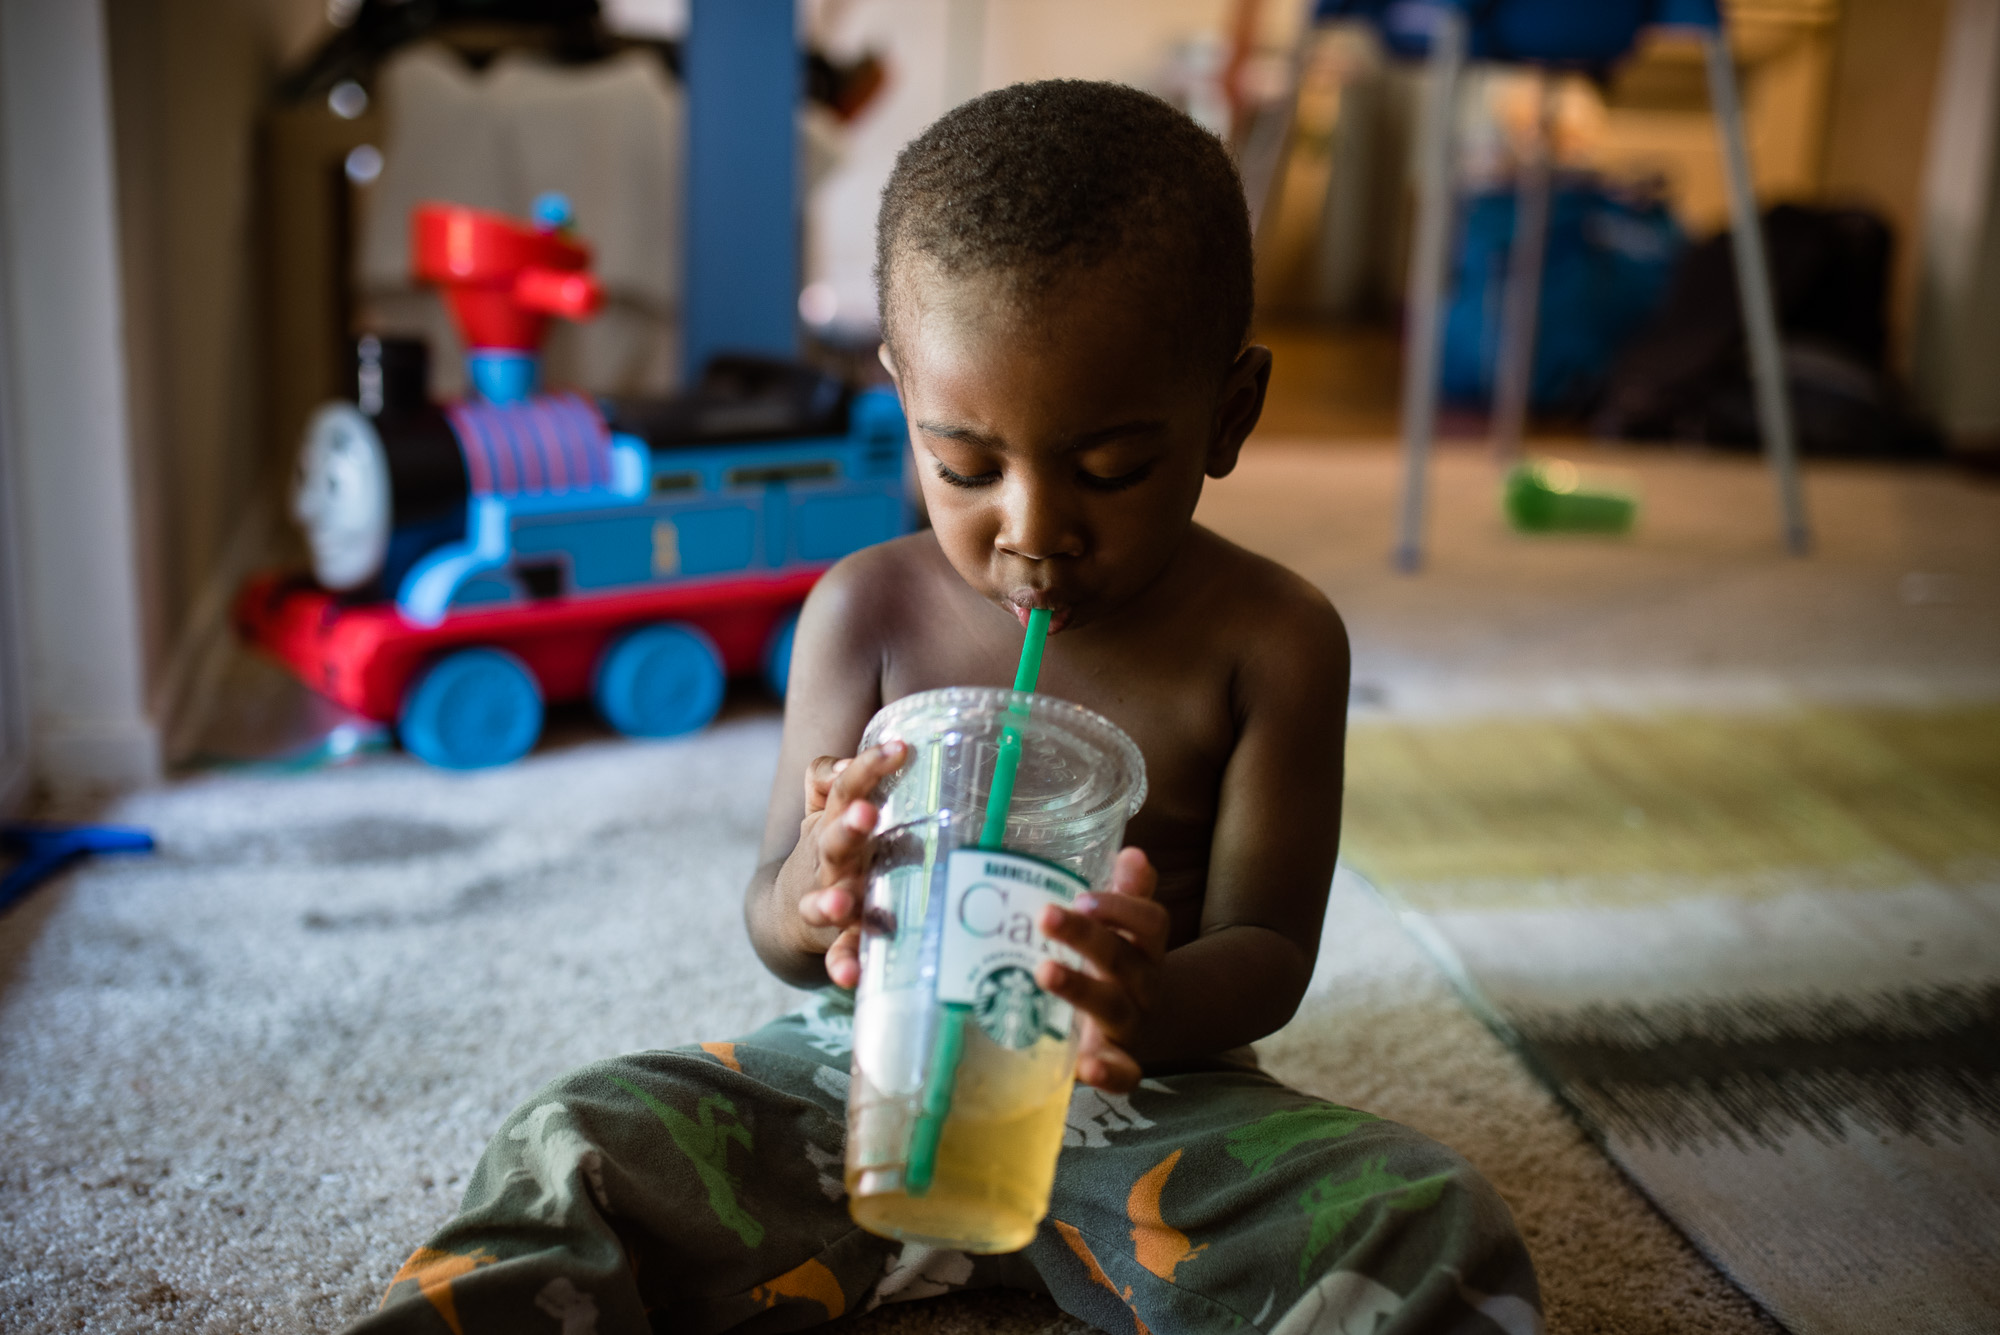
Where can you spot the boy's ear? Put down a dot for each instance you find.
(1238, 405)
(888, 360)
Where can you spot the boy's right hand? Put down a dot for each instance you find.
(838, 825)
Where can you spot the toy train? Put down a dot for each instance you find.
(475, 560)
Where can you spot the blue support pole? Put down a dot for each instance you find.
(743, 85)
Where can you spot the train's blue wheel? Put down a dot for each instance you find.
(476, 708)
(778, 653)
(658, 681)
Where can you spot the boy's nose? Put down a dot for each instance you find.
(1036, 526)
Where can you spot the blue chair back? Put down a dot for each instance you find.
(1584, 34)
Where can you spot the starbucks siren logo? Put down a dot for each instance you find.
(1009, 1007)
(992, 944)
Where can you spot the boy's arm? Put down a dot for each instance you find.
(834, 689)
(1277, 834)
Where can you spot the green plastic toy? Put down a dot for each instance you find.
(1545, 496)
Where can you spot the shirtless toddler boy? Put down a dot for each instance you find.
(1065, 272)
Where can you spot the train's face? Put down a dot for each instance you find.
(341, 497)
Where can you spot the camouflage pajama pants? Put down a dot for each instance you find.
(700, 1190)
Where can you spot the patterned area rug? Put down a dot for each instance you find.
(1759, 959)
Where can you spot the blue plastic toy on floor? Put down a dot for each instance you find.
(46, 847)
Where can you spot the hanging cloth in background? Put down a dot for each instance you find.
(609, 135)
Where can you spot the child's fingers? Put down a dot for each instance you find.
(1101, 1062)
(1132, 874)
(1143, 922)
(824, 787)
(843, 842)
(837, 905)
(1122, 935)
(843, 836)
(857, 778)
(819, 780)
(1115, 950)
(1108, 1001)
(1109, 1068)
(840, 822)
(843, 959)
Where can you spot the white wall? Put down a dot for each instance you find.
(941, 52)
(1958, 297)
(189, 81)
(68, 432)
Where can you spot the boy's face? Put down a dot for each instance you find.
(1061, 440)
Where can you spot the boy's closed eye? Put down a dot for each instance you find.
(946, 473)
(1110, 467)
(1085, 477)
(1108, 475)
(961, 462)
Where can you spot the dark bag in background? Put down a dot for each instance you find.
(1610, 255)
(1687, 377)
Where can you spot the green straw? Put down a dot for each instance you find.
(1008, 763)
(950, 1046)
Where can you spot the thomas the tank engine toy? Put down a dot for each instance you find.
(473, 561)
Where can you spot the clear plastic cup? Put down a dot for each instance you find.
(948, 1018)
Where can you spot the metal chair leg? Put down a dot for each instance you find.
(1426, 290)
(1753, 275)
(1513, 376)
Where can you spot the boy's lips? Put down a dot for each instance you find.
(1024, 603)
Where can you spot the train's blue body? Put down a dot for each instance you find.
(681, 513)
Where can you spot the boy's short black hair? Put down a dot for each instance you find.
(1039, 180)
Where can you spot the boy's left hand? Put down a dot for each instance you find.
(1122, 936)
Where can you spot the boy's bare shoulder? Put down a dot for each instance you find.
(1278, 623)
(885, 574)
(870, 591)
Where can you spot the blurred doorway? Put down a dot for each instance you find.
(1334, 383)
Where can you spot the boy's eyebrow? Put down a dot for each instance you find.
(1143, 427)
(964, 433)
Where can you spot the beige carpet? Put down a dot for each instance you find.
(238, 1081)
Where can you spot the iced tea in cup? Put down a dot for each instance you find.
(962, 1063)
